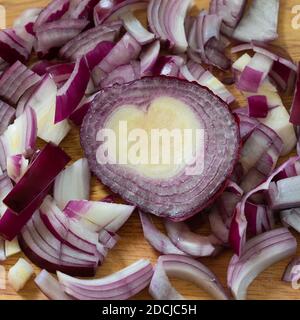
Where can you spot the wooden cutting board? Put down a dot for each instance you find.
(132, 245)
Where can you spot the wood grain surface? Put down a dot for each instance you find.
(132, 245)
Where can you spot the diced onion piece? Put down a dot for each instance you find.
(7, 115)
(258, 106)
(5, 187)
(260, 253)
(72, 184)
(2, 258)
(16, 167)
(136, 29)
(259, 23)
(101, 214)
(295, 111)
(60, 73)
(291, 218)
(70, 94)
(189, 242)
(291, 272)
(19, 274)
(20, 137)
(157, 239)
(50, 286)
(43, 102)
(173, 98)
(82, 9)
(12, 247)
(283, 194)
(184, 268)
(121, 285)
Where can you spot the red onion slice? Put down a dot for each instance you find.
(82, 9)
(187, 269)
(168, 66)
(72, 184)
(7, 115)
(259, 23)
(40, 67)
(149, 57)
(5, 188)
(157, 239)
(189, 242)
(54, 11)
(70, 94)
(53, 35)
(291, 272)
(60, 73)
(110, 10)
(259, 254)
(295, 111)
(136, 29)
(121, 285)
(36, 179)
(258, 106)
(149, 194)
(2, 250)
(50, 286)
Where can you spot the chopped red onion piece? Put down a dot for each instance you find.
(99, 53)
(36, 179)
(110, 10)
(82, 9)
(40, 67)
(259, 23)
(283, 194)
(43, 101)
(12, 47)
(259, 253)
(295, 111)
(54, 11)
(2, 251)
(187, 269)
(50, 286)
(291, 218)
(20, 137)
(124, 51)
(291, 272)
(15, 81)
(87, 41)
(237, 235)
(258, 106)
(53, 35)
(121, 285)
(149, 57)
(136, 29)
(7, 115)
(189, 242)
(123, 74)
(284, 77)
(16, 167)
(5, 188)
(72, 184)
(231, 13)
(101, 214)
(60, 73)
(78, 115)
(168, 66)
(70, 94)
(157, 239)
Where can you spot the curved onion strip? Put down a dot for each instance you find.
(157, 239)
(7, 115)
(2, 250)
(72, 184)
(54, 11)
(292, 271)
(295, 111)
(259, 254)
(291, 218)
(190, 242)
(237, 235)
(110, 10)
(50, 286)
(82, 9)
(70, 94)
(5, 187)
(136, 29)
(121, 285)
(187, 269)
